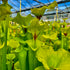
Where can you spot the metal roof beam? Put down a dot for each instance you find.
(13, 4)
(39, 2)
(58, 13)
(38, 6)
(29, 3)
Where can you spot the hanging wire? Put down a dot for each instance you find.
(21, 4)
(20, 7)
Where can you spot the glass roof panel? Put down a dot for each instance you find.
(26, 5)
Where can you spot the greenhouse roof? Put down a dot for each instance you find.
(26, 5)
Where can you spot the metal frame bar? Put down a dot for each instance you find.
(58, 13)
(39, 2)
(29, 3)
(38, 6)
(13, 4)
(66, 6)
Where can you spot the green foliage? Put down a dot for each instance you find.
(52, 36)
(53, 59)
(22, 59)
(10, 56)
(52, 5)
(13, 44)
(23, 20)
(40, 68)
(39, 11)
(5, 1)
(35, 26)
(4, 11)
(1, 46)
(17, 18)
(65, 19)
(17, 66)
(31, 44)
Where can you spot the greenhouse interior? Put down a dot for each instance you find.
(34, 34)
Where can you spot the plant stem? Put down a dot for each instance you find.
(66, 43)
(4, 49)
(10, 65)
(62, 43)
(33, 62)
(22, 59)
